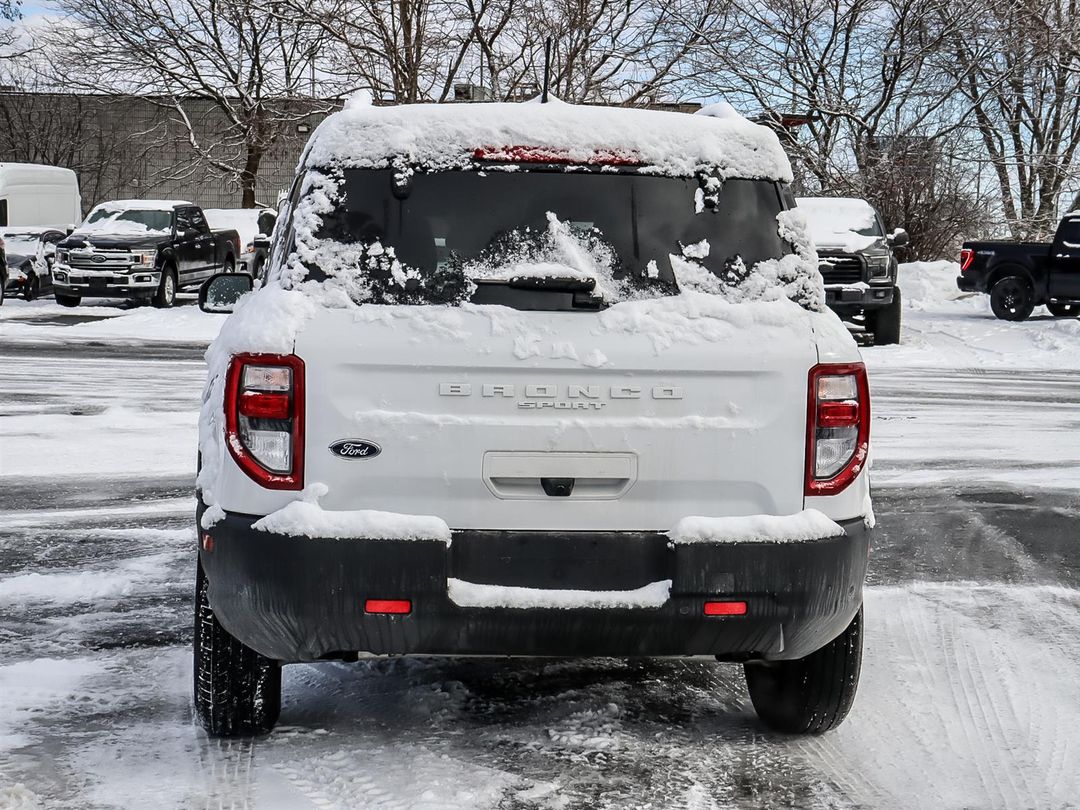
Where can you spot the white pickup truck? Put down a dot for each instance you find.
(536, 380)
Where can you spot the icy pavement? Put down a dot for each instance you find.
(970, 694)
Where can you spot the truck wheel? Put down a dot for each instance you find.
(1012, 299)
(237, 691)
(885, 322)
(68, 300)
(229, 266)
(809, 695)
(1062, 310)
(165, 296)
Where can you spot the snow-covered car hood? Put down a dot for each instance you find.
(106, 241)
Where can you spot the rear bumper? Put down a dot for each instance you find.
(301, 599)
(967, 283)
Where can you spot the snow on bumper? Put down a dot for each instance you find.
(301, 597)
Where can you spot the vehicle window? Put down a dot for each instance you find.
(183, 221)
(3, 214)
(198, 221)
(519, 223)
(1069, 233)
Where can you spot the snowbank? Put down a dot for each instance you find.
(945, 328)
(448, 136)
(927, 285)
(474, 595)
(810, 524)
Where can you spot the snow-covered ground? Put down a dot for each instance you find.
(970, 695)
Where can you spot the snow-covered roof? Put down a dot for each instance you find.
(445, 136)
(142, 205)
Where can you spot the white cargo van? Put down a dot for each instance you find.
(33, 195)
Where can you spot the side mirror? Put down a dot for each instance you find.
(261, 242)
(898, 238)
(69, 230)
(220, 292)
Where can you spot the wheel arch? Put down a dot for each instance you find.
(1005, 269)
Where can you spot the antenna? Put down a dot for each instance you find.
(547, 70)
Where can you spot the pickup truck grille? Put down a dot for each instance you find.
(99, 260)
(841, 269)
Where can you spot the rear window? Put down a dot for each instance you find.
(393, 236)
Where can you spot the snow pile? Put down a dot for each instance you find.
(475, 595)
(926, 285)
(810, 524)
(835, 222)
(448, 136)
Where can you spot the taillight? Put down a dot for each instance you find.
(838, 426)
(967, 256)
(264, 418)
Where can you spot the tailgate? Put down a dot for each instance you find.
(496, 419)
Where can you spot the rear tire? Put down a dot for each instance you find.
(1012, 298)
(165, 296)
(885, 322)
(68, 300)
(229, 265)
(809, 695)
(1062, 310)
(237, 691)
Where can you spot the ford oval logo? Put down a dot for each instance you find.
(355, 448)
(99, 259)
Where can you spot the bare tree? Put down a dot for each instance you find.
(253, 64)
(857, 70)
(1021, 76)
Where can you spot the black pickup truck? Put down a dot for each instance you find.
(1020, 276)
(141, 249)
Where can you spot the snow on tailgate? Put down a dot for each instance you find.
(448, 136)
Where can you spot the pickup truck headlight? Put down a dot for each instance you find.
(143, 261)
(878, 267)
(63, 256)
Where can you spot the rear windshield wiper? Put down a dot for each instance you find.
(550, 294)
(555, 283)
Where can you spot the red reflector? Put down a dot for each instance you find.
(207, 542)
(838, 414)
(388, 606)
(264, 406)
(725, 608)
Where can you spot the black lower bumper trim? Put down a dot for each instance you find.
(297, 598)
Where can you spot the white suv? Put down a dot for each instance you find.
(535, 380)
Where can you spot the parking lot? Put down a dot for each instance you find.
(970, 695)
